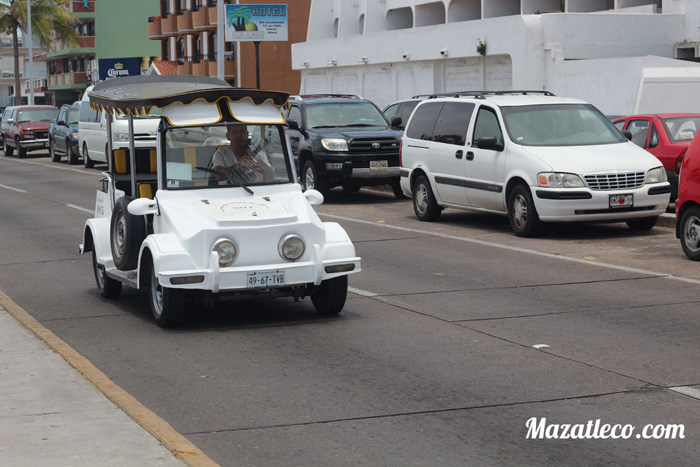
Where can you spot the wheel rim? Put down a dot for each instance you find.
(422, 198)
(691, 234)
(156, 293)
(519, 211)
(309, 178)
(119, 236)
(51, 150)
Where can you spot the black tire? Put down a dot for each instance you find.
(72, 156)
(7, 149)
(52, 152)
(690, 233)
(643, 224)
(396, 188)
(86, 158)
(424, 204)
(329, 297)
(310, 179)
(522, 213)
(108, 288)
(167, 304)
(126, 234)
(351, 188)
(21, 152)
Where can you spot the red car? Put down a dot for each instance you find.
(688, 202)
(26, 128)
(666, 136)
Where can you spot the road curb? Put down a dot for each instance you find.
(667, 220)
(182, 448)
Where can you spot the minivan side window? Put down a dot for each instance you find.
(423, 122)
(453, 122)
(87, 114)
(487, 126)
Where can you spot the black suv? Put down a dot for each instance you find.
(342, 140)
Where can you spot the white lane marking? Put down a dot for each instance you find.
(364, 293)
(688, 391)
(519, 250)
(13, 189)
(89, 211)
(51, 166)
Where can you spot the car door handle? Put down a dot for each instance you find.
(459, 154)
(470, 156)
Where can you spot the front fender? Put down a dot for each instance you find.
(166, 253)
(96, 238)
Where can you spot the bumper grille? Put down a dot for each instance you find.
(41, 134)
(374, 145)
(615, 181)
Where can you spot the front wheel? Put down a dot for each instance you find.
(329, 297)
(642, 224)
(86, 158)
(107, 287)
(424, 204)
(690, 233)
(6, 149)
(167, 305)
(311, 180)
(126, 234)
(70, 151)
(52, 152)
(522, 213)
(21, 152)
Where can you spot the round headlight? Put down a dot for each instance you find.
(226, 250)
(292, 247)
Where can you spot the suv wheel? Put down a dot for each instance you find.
(690, 233)
(52, 151)
(86, 158)
(21, 152)
(396, 188)
(311, 181)
(424, 204)
(7, 149)
(522, 213)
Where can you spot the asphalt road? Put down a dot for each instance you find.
(455, 334)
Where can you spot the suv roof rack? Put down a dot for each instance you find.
(483, 94)
(321, 96)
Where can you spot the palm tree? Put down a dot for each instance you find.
(48, 17)
(239, 18)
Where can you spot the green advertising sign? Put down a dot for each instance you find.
(256, 23)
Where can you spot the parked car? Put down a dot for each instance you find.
(666, 136)
(399, 112)
(688, 202)
(26, 128)
(92, 131)
(63, 135)
(342, 140)
(531, 156)
(4, 114)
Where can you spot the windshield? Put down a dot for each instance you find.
(681, 129)
(338, 115)
(559, 125)
(73, 116)
(221, 156)
(36, 115)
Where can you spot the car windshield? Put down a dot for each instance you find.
(339, 115)
(204, 156)
(681, 129)
(36, 115)
(73, 116)
(559, 125)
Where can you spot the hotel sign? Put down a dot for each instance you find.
(256, 23)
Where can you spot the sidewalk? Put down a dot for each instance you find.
(50, 414)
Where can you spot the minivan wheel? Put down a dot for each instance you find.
(86, 158)
(690, 233)
(311, 181)
(424, 204)
(6, 149)
(642, 224)
(522, 213)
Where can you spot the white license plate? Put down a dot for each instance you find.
(621, 201)
(265, 279)
(378, 165)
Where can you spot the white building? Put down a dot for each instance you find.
(624, 56)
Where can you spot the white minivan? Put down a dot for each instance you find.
(92, 132)
(531, 156)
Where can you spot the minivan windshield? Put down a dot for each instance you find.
(216, 156)
(559, 125)
(73, 116)
(36, 115)
(344, 115)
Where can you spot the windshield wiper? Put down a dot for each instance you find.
(233, 177)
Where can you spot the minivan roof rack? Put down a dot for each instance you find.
(483, 94)
(320, 96)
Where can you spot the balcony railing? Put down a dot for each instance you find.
(184, 21)
(74, 77)
(200, 18)
(168, 25)
(154, 28)
(184, 68)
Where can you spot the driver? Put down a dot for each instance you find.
(244, 161)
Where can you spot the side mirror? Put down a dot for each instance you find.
(314, 197)
(293, 124)
(490, 143)
(10, 121)
(396, 121)
(142, 207)
(627, 134)
(60, 122)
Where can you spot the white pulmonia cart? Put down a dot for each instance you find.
(167, 222)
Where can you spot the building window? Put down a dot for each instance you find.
(164, 49)
(181, 50)
(197, 49)
(52, 67)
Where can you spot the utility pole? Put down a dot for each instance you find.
(30, 100)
